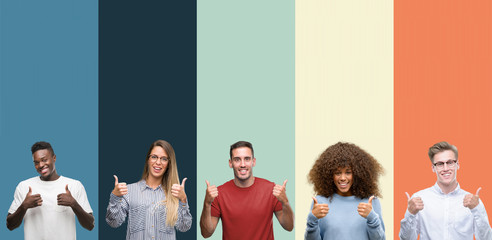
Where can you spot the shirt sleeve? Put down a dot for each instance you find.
(375, 224)
(481, 224)
(312, 228)
(19, 197)
(81, 198)
(117, 210)
(215, 208)
(184, 217)
(409, 227)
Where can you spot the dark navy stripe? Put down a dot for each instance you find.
(147, 91)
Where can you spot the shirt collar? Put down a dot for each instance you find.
(142, 184)
(438, 189)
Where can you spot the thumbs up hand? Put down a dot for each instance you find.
(32, 201)
(471, 201)
(319, 210)
(414, 204)
(365, 208)
(120, 189)
(178, 191)
(279, 192)
(66, 199)
(211, 194)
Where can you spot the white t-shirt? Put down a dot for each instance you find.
(50, 221)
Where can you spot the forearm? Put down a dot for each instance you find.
(408, 227)
(287, 217)
(14, 220)
(207, 227)
(481, 222)
(375, 226)
(86, 219)
(312, 228)
(184, 217)
(117, 211)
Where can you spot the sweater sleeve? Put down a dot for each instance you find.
(409, 227)
(375, 224)
(312, 228)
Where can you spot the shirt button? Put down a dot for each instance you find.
(152, 225)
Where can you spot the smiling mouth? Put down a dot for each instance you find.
(343, 185)
(43, 170)
(157, 169)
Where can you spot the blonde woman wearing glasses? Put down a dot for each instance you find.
(157, 204)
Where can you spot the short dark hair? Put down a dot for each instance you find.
(42, 145)
(241, 144)
(440, 147)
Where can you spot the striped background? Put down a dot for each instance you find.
(291, 77)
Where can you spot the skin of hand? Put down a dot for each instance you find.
(178, 191)
(279, 193)
(66, 199)
(319, 210)
(212, 193)
(32, 201)
(414, 204)
(471, 201)
(120, 189)
(365, 208)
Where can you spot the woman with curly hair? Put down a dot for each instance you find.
(345, 179)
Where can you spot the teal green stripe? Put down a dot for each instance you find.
(245, 91)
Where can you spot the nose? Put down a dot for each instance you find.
(243, 163)
(445, 166)
(343, 177)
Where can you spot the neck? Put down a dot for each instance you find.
(244, 183)
(448, 187)
(153, 182)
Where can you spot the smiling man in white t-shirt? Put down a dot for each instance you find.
(49, 203)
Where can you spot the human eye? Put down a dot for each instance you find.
(440, 164)
(153, 157)
(164, 159)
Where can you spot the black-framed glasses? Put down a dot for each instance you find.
(154, 158)
(450, 163)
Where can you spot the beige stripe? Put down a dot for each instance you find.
(344, 89)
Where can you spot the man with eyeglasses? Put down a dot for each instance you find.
(450, 212)
(49, 203)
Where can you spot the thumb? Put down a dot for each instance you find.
(370, 199)
(115, 180)
(315, 200)
(183, 183)
(30, 191)
(66, 189)
(408, 196)
(285, 183)
(208, 183)
(478, 190)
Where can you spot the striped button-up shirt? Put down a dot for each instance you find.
(146, 211)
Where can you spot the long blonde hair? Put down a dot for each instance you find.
(169, 178)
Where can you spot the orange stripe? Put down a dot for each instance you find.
(443, 91)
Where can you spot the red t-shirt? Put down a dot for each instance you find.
(246, 213)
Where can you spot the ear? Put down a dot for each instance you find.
(457, 165)
(230, 163)
(54, 158)
(432, 166)
(254, 162)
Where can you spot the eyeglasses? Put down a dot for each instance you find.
(154, 158)
(450, 163)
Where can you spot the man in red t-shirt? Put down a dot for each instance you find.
(245, 204)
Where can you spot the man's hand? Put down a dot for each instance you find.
(365, 208)
(120, 189)
(414, 204)
(32, 201)
(66, 199)
(178, 191)
(279, 192)
(212, 193)
(319, 210)
(471, 201)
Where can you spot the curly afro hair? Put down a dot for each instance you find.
(365, 170)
